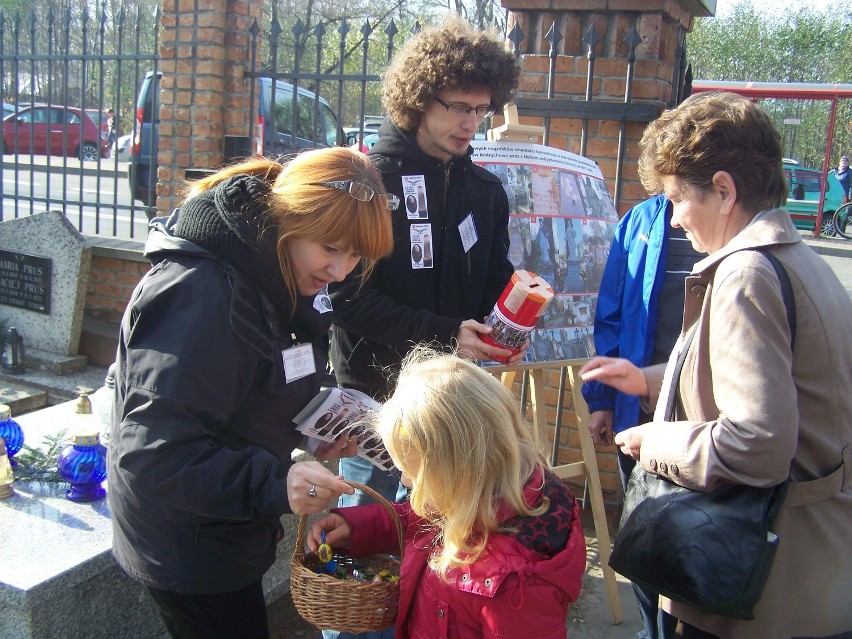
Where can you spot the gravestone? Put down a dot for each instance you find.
(44, 273)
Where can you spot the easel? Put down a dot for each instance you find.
(588, 468)
(512, 130)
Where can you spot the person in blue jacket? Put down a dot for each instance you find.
(638, 317)
(844, 175)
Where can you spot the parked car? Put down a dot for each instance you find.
(100, 117)
(803, 186)
(373, 121)
(367, 144)
(351, 133)
(273, 133)
(54, 130)
(122, 148)
(8, 109)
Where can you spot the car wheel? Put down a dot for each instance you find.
(89, 152)
(827, 228)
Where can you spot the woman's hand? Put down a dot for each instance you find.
(343, 446)
(337, 532)
(617, 372)
(630, 441)
(311, 486)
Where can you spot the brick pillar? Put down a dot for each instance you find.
(661, 25)
(204, 95)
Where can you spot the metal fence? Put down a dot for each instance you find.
(85, 62)
(60, 75)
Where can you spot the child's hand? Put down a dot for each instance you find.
(337, 532)
(344, 446)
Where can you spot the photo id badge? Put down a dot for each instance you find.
(298, 362)
(421, 245)
(414, 197)
(467, 231)
(322, 301)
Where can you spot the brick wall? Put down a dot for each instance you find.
(116, 269)
(660, 24)
(204, 55)
(111, 282)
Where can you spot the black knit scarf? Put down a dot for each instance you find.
(230, 220)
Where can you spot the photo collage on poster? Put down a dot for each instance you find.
(561, 224)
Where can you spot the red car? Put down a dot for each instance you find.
(54, 130)
(101, 117)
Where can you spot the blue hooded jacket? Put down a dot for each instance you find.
(626, 315)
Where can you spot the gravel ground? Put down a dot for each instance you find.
(285, 622)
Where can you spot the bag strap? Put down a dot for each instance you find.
(786, 291)
(789, 303)
(681, 357)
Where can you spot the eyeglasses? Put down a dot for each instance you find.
(363, 192)
(459, 109)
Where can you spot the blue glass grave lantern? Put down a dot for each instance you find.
(11, 432)
(82, 463)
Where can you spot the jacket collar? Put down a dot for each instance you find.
(402, 145)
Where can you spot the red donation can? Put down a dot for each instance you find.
(515, 314)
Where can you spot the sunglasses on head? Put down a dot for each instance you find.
(362, 192)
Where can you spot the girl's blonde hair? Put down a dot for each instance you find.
(298, 207)
(457, 433)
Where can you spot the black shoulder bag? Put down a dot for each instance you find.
(711, 551)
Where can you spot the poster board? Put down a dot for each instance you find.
(561, 224)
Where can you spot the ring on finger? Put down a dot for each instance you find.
(313, 491)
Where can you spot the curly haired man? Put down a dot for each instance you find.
(450, 259)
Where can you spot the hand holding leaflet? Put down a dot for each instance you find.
(342, 411)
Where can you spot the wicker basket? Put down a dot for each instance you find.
(346, 605)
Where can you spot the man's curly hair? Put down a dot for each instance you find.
(454, 56)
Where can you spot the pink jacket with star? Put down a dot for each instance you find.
(520, 587)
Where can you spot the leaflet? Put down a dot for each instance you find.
(344, 411)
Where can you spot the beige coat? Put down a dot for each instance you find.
(753, 412)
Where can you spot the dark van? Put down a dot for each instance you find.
(273, 129)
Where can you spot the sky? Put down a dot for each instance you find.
(725, 7)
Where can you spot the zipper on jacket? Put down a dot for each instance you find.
(447, 168)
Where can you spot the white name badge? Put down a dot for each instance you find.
(322, 301)
(298, 362)
(467, 231)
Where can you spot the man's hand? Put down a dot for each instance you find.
(600, 426)
(470, 345)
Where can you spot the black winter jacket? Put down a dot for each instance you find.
(400, 305)
(202, 440)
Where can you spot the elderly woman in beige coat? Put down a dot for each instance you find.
(751, 409)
